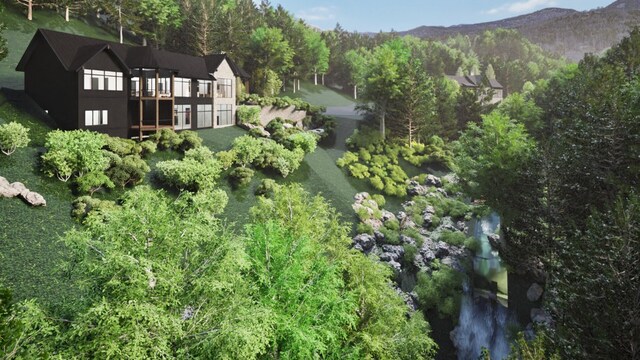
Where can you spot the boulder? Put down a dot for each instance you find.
(494, 240)
(407, 240)
(429, 210)
(535, 292)
(320, 131)
(415, 189)
(387, 216)
(379, 237)
(433, 180)
(407, 223)
(462, 226)
(395, 266)
(364, 243)
(392, 253)
(442, 191)
(401, 215)
(6, 190)
(408, 204)
(442, 249)
(34, 199)
(427, 220)
(18, 186)
(539, 316)
(360, 197)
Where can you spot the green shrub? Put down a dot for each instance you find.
(122, 147)
(364, 138)
(13, 136)
(166, 139)
(93, 181)
(241, 176)
(455, 238)
(74, 153)
(364, 154)
(440, 291)
(266, 187)
(379, 199)
(415, 235)
(390, 236)
(256, 133)
(376, 182)
(363, 228)
(248, 114)
(472, 244)
(303, 140)
(247, 149)
(410, 252)
(198, 170)
(148, 147)
(189, 139)
(275, 125)
(392, 224)
(226, 158)
(129, 170)
(85, 206)
(347, 159)
(359, 171)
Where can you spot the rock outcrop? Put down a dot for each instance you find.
(10, 190)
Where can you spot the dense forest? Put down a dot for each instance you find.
(162, 275)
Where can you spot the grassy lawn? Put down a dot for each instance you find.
(319, 95)
(20, 31)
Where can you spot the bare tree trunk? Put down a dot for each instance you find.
(294, 85)
(382, 125)
(322, 79)
(30, 10)
(315, 78)
(298, 84)
(120, 23)
(66, 13)
(355, 92)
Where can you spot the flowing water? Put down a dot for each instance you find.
(483, 312)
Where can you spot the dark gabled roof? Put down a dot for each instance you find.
(213, 61)
(73, 51)
(462, 80)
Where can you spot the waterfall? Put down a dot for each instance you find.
(483, 318)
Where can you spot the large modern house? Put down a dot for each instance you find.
(127, 91)
(475, 82)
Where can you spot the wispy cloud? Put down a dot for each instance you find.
(319, 13)
(520, 6)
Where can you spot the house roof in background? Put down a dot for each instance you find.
(73, 51)
(213, 61)
(474, 81)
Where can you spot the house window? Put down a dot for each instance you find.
(96, 117)
(150, 87)
(205, 88)
(103, 80)
(223, 89)
(205, 116)
(182, 117)
(224, 116)
(183, 87)
(164, 87)
(135, 87)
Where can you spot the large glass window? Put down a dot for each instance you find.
(183, 87)
(223, 89)
(164, 87)
(224, 115)
(150, 87)
(135, 86)
(182, 117)
(205, 116)
(96, 117)
(103, 80)
(205, 88)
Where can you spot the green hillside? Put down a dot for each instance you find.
(20, 31)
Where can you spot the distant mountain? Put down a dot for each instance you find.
(566, 32)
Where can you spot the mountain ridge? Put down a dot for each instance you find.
(565, 32)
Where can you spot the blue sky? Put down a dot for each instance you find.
(376, 15)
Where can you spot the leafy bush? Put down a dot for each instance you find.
(364, 138)
(74, 153)
(363, 228)
(289, 161)
(226, 158)
(247, 149)
(266, 187)
(129, 170)
(414, 234)
(198, 170)
(13, 136)
(275, 125)
(189, 139)
(440, 291)
(455, 238)
(359, 171)
(148, 147)
(376, 182)
(347, 159)
(303, 140)
(122, 147)
(85, 206)
(93, 181)
(379, 199)
(410, 252)
(257, 133)
(390, 236)
(248, 114)
(166, 139)
(392, 224)
(241, 176)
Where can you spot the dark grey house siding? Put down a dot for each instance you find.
(113, 101)
(52, 87)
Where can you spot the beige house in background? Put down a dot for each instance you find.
(475, 82)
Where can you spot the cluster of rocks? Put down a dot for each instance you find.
(250, 127)
(10, 190)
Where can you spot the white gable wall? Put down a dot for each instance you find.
(224, 72)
